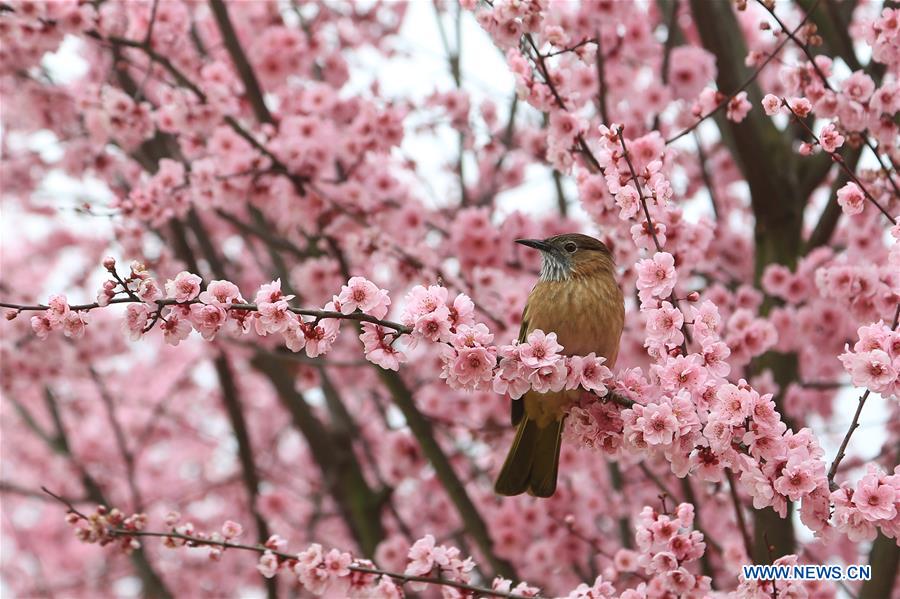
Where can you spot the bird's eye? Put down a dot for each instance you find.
(570, 247)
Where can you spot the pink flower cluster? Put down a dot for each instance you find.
(874, 361)
(656, 276)
(427, 558)
(875, 502)
(538, 364)
(59, 317)
(666, 545)
(432, 317)
(98, 527)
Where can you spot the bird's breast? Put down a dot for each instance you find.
(586, 313)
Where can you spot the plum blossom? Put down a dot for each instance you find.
(361, 294)
(830, 138)
(658, 424)
(268, 564)
(664, 325)
(540, 350)
(175, 328)
(219, 293)
(319, 337)
(738, 107)
(136, 318)
(771, 104)
(207, 319)
(231, 529)
(656, 276)
(851, 199)
(421, 557)
(379, 347)
(589, 373)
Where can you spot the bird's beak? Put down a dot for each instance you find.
(537, 244)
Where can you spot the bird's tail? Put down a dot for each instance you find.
(533, 461)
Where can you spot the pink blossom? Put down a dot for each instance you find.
(231, 529)
(738, 107)
(268, 564)
(795, 481)
(681, 372)
(875, 501)
(271, 293)
(434, 326)
(319, 338)
(851, 521)
(771, 104)
(218, 293)
(41, 325)
(706, 320)
(589, 373)
(851, 199)
(421, 557)
(337, 563)
(540, 349)
(73, 324)
(175, 328)
(656, 276)
(472, 336)
(658, 424)
(207, 319)
(294, 339)
(273, 317)
(379, 348)
(136, 317)
(149, 291)
(462, 311)
(59, 309)
(551, 377)
(690, 69)
(628, 201)
(310, 571)
(511, 375)
(858, 86)
(801, 107)
(643, 235)
(830, 139)
(664, 324)
(468, 367)
(420, 301)
(361, 294)
(734, 404)
(872, 369)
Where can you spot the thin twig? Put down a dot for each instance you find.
(317, 314)
(127, 455)
(809, 56)
(192, 541)
(739, 513)
(749, 81)
(854, 424)
(840, 161)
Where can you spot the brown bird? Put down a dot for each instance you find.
(576, 297)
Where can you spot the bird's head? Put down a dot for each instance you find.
(571, 254)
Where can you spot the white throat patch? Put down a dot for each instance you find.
(555, 268)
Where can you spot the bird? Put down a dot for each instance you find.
(578, 298)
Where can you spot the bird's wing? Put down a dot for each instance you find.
(518, 405)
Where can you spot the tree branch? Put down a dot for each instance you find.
(196, 541)
(424, 434)
(252, 88)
